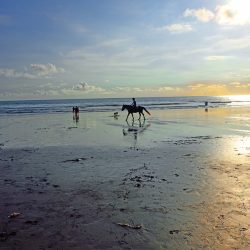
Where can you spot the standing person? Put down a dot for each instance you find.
(77, 109)
(133, 104)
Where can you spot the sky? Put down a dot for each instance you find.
(55, 49)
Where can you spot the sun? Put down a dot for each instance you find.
(240, 11)
(239, 98)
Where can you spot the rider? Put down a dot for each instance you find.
(133, 104)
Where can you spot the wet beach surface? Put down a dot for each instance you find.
(140, 189)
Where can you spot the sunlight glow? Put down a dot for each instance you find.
(240, 11)
(242, 145)
(239, 98)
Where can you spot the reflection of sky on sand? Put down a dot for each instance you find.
(217, 148)
(195, 122)
(227, 211)
(89, 129)
(104, 129)
(242, 145)
(133, 130)
(232, 150)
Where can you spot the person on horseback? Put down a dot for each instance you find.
(134, 109)
(133, 104)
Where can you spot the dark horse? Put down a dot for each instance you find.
(132, 110)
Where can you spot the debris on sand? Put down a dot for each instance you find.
(76, 160)
(129, 226)
(174, 231)
(3, 236)
(13, 215)
(31, 222)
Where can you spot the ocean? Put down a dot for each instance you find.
(114, 104)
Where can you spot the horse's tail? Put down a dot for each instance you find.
(146, 110)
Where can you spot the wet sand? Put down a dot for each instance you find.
(178, 181)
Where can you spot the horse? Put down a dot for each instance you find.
(136, 109)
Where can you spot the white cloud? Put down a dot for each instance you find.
(177, 28)
(85, 87)
(225, 15)
(136, 89)
(235, 83)
(116, 56)
(203, 15)
(54, 90)
(216, 58)
(59, 90)
(164, 89)
(240, 85)
(236, 12)
(46, 69)
(33, 72)
(141, 91)
(12, 73)
(232, 44)
(196, 86)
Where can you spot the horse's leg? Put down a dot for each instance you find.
(139, 115)
(143, 116)
(127, 116)
(132, 115)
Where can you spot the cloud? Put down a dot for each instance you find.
(194, 89)
(225, 15)
(202, 15)
(167, 89)
(236, 12)
(207, 89)
(85, 87)
(119, 58)
(176, 28)
(46, 69)
(33, 72)
(12, 73)
(216, 58)
(232, 44)
(217, 89)
(63, 90)
(240, 85)
(146, 91)
(54, 90)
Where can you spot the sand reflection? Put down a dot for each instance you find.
(134, 129)
(76, 118)
(224, 221)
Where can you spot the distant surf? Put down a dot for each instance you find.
(114, 104)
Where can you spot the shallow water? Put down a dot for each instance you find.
(102, 128)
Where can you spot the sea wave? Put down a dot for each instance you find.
(115, 104)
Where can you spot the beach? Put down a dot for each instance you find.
(178, 180)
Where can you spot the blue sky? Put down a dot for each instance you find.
(118, 48)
